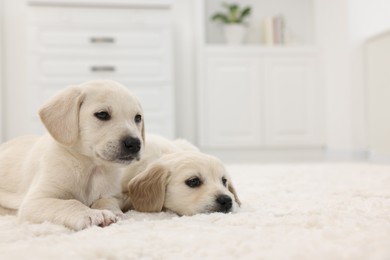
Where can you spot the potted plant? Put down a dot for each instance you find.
(233, 20)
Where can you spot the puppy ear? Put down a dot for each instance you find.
(233, 191)
(60, 115)
(147, 190)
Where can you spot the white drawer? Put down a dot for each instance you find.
(145, 69)
(98, 33)
(101, 39)
(104, 3)
(76, 17)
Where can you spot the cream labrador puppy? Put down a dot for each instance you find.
(71, 175)
(175, 176)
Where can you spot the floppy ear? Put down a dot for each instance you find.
(147, 190)
(60, 115)
(233, 191)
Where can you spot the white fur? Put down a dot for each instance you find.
(71, 176)
(177, 161)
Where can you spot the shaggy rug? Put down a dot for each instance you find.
(290, 211)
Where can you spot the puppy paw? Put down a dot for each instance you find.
(108, 218)
(95, 217)
(120, 215)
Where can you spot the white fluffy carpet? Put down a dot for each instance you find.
(290, 211)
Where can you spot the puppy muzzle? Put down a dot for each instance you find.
(224, 204)
(125, 151)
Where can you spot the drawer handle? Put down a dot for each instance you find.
(103, 69)
(102, 40)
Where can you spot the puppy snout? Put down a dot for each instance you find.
(225, 203)
(131, 145)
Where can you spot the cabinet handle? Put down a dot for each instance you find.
(102, 40)
(103, 69)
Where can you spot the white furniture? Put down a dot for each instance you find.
(260, 97)
(377, 57)
(255, 97)
(130, 42)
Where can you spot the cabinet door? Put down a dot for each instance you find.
(292, 102)
(229, 103)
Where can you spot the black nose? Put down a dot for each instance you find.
(131, 145)
(225, 203)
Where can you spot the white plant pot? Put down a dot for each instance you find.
(234, 33)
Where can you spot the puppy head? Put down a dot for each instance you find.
(186, 183)
(101, 119)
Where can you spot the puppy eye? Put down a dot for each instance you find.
(224, 181)
(138, 118)
(103, 116)
(193, 182)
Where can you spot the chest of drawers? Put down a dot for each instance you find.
(70, 45)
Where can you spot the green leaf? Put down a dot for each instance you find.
(220, 17)
(245, 12)
(234, 14)
(233, 10)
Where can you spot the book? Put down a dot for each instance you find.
(274, 30)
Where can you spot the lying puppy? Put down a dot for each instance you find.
(70, 177)
(176, 176)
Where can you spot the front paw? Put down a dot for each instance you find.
(120, 215)
(95, 217)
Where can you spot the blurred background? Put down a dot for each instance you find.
(246, 80)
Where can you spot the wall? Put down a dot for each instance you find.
(1, 71)
(183, 17)
(333, 43)
(366, 19)
(15, 66)
(344, 26)
(377, 61)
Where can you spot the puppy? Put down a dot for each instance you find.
(71, 175)
(175, 176)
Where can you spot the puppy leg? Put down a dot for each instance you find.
(111, 204)
(71, 213)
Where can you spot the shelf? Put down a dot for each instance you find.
(252, 48)
(299, 20)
